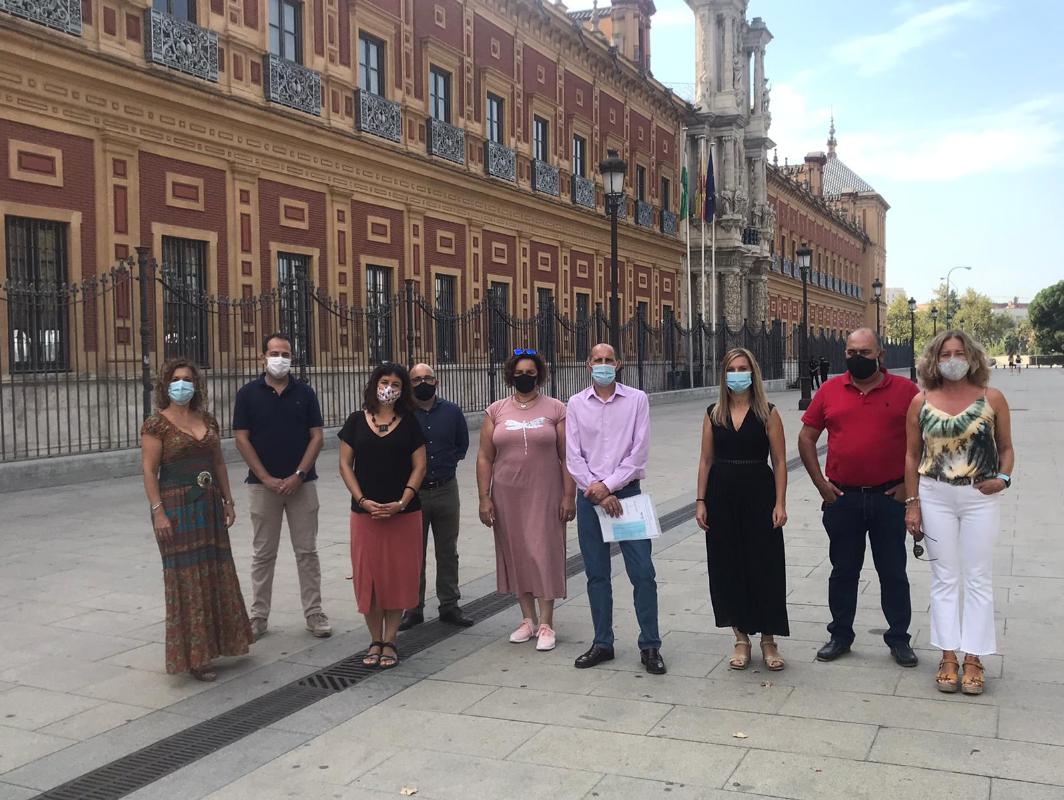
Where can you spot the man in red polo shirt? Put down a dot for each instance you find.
(863, 411)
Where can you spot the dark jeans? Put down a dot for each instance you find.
(882, 518)
(440, 511)
(598, 569)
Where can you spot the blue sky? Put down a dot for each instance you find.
(954, 111)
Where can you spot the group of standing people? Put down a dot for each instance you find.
(931, 463)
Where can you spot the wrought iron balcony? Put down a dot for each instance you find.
(583, 192)
(500, 162)
(379, 116)
(644, 214)
(180, 44)
(545, 178)
(290, 84)
(446, 141)
(62, 15)
(668, 223)
(751, 236)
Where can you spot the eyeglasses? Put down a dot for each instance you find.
(423, 379)
(521, 352)
(918, 550)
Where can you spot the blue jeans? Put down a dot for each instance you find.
(598, 568)
(847, 521)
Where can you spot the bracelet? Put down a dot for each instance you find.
(700, 499)
(910, 500)
(359, 501)
(411, 488)
(156, 507)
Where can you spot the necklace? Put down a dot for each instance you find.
(383, 428)
(525, 404)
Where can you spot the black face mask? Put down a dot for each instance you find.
(524, 383)
(425, 391)
(862, 368)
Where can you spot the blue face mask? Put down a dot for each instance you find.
(740, 381)
(182, 392)
(603, 374)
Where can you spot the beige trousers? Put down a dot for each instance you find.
(301, 508)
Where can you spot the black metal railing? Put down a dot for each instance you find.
(86, 385)
(379, 116)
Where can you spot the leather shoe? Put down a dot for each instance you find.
(594, 656)
(410, 618)
(832, 650)
(652, 660)
(455, 616)
(904, 655)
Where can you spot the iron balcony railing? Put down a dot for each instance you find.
(668, 223)
(644, 214)
(290, 84)
(180, 45)
(445, 141)
(583, 190)
(545, 178)
(379, 116)
(500, 161)
(62, 15)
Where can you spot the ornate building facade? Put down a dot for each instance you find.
(825, 204)
(356, 143)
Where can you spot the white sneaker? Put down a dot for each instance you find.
(318, 625)
(258, 628)
(525, 631)
(545, 638)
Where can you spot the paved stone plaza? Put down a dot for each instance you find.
(82, 681)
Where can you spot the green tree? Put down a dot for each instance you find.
(1046, 314)
(899, 325)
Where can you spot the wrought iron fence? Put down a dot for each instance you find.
(81, 358)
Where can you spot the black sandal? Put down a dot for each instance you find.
(372, 659)
(392, 661)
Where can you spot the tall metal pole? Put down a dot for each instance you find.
(803, 359)
(147, 285)
(912, 346)
(877, 317)
(615, 330)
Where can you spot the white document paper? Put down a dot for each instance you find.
(638, 520)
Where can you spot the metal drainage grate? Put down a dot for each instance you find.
(149, 764)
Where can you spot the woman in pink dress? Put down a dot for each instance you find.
(527, 495)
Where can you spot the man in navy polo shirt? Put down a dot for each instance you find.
(447, 440)
(277, 425)
(863, 411)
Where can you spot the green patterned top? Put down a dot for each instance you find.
(959, 448)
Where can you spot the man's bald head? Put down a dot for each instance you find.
(864, 339)
(422, 371)
(602, 353)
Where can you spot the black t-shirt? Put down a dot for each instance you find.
(383, 463)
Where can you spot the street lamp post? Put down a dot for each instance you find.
(912, 339)
(805, 258)
(947, 290)
(934, 318)
(877, 292)
(613, 168)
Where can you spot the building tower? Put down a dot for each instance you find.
(732, 119)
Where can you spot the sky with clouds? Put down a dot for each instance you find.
(953, 111)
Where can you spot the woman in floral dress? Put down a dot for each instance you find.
(191, 507)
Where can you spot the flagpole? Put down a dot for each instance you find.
(702, 223)
(713, 255)
(687, 232)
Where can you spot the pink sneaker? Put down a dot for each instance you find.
(524, 632)
(545, 640)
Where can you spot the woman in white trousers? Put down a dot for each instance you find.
(959, 459)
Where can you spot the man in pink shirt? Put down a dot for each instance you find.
(607, 439)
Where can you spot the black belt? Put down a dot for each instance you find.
(739, 461)
(871, 489)
(437, 483)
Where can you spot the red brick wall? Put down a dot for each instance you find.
(668, 150)
(77, 192)
(483, 32)
(271, 230)
(639, 132)
(537, 274)
(508, 269)
(364, 248)
(437, 257)
(153, 207)
(606, 104)
(393, 7)
(450, 35)
(578, 281)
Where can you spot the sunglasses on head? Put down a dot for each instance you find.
(522, 352)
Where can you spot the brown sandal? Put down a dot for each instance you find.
(948, 680)
(774, 661)
(974, 683)
(739, 661)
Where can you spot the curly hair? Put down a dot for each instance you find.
(978, 364)
(406, 394)
(166, 375)
(511, 365)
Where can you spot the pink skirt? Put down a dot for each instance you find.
(386, 558)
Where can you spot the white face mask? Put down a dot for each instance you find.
(954, 369)
(278, 366)
(388, 394)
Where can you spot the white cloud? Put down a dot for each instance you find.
(876, 53)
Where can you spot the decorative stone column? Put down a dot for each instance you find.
(732, 296)
(758, 288)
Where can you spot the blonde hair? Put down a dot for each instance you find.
(721, 414)
(978, 364)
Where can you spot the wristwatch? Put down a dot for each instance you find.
(1006, 478)
(302, 475)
